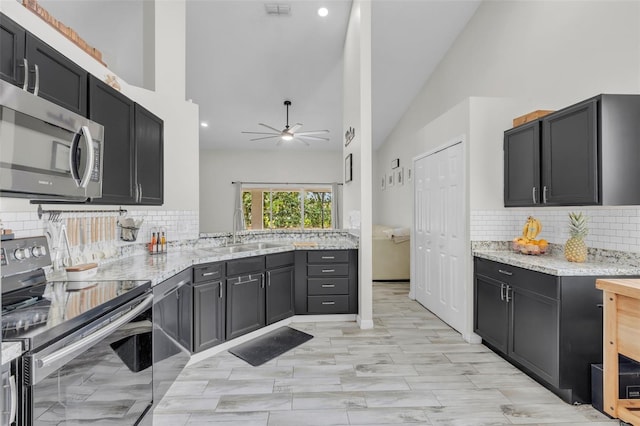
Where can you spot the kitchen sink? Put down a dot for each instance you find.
(236, 248)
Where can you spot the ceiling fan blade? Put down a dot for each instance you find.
(295, 127)
(279, 142)
(304, 142)
(262, 133)
(313, 132)
(315, 138)
(269, 127)
(266, 137)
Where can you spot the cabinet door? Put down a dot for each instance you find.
(570, 155)
(491, 320)
(522, 165)
(208, 314)
(245, 305)
(279, 294)
(185, 315)
(12, 40)
(169, 319)
(114, 111)
(149, 157)
(533, 336)
(59, 80)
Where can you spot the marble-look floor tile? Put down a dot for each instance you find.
(308, 384)
(388, 416)
(374, 383)
(309, 418)
(542, 413)
(310, 401)
(440, 382)
(385, 370)
(237, 387)
(255, 402)
(248, 418)
(467, 416)
(262, 372)
(445, 369)
(170, 419)
(339, 370)
(187, 388)
(472, 357)
(382, 399)
(492, 381)
(448, 397)
(531, 395)
(178, 405)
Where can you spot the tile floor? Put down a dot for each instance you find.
(411, 368)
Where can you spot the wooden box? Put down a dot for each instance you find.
(534, 115)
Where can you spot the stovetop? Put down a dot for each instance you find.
(38, 312)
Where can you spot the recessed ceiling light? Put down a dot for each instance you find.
(323, 11)
(204, 124)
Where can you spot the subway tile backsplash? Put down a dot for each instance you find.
(610, 228)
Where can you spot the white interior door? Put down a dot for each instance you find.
(439, 224)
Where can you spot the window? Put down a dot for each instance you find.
(287, 207)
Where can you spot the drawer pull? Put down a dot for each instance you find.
(502, 271)
(328, 257)
(328, 270)
(328, 303)
(208, 274)
(328, 285)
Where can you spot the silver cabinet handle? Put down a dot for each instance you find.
(328, 285)
(502, 292)
(533, 194)
(36, 88)
(328, 270)
(502, 271)
(508, 289)
(88, 341)
(140, 193)
(262, 279)
(208, 274)
(328, 257)
(220, 290)
(88, 142)
(25, 85)
(14, 399)
(544, 194)
(328, 303)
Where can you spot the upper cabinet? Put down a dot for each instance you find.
(28, 62)
(149, 157)
(115, 112)
(585, 154)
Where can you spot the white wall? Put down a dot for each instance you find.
(180, 117)
(219, 168)
(544, 55)
(357, 194)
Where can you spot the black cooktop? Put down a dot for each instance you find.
(45, 312)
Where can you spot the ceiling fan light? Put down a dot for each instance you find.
(287, 137)
(323, 11)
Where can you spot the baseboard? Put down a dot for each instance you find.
(364, 324)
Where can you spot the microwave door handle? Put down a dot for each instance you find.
(73, 164)
(36, 88)
(14, 399)
(88, 141)
(25, 63)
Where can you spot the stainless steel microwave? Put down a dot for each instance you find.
(46, 151)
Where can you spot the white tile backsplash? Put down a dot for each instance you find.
(611, 228)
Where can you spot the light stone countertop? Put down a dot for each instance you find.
(557, 265)
(10, 351)
(160, 267)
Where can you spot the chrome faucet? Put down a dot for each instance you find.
(235, 223)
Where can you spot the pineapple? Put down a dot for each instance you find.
(575, 250)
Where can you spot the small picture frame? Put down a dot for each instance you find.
(400, 176)
(391, 177)
(383, 182)
(348, 168)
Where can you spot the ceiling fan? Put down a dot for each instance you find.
(289, 133)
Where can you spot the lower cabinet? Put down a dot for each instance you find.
(208, 314)
(549, 326)
(245, 304)
(280, 279)
(173, 310)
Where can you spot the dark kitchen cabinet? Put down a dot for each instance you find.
(522, 165)
(174, 309)
(115, 112)
(209, 306)
(48, 73)
(326, 282)
(280, 286)
(208, 314)
(587, 156)
(548, 326)
(12, 57)
(570, 155)
(245, 296)
(149, 157)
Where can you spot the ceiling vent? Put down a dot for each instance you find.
(278, 9)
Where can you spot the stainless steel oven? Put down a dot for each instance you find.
(46, 151)
(88, 344)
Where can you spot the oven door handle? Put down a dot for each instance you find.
(88, 341)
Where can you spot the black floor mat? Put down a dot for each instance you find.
(268, 346)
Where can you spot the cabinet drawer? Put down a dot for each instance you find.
(246, 265)
(536, 282)
(208, 272)
(340, 269)
(277, 260)
(327, 256)
(323, 286)
(328, 304)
